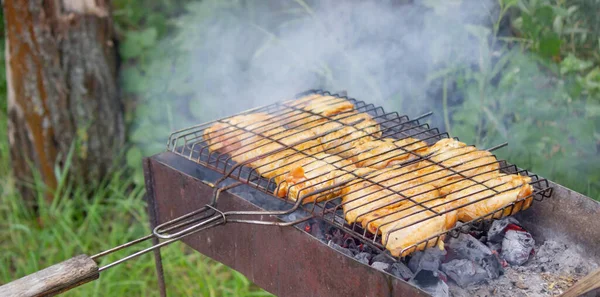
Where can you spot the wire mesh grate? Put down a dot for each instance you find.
(231, 149)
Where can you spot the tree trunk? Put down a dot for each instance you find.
(61, 77)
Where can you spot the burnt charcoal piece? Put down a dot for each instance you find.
(464, 228)
(496, 232)
(338, 237)
(383, 257)
(400, 270)
(495, 246)
(363, 258)
(468, 247)
(464, 272)
(367, 249)
(517, 246)
(430, 283)
(380, 266)
(430, 260)
(344, 251)
(318, 231)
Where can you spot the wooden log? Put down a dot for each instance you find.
(587, 286)
(54, 279)
(61, 79)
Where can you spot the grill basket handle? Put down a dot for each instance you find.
(53, 280)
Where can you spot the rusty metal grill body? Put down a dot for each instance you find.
(190, 144)
(287, 261)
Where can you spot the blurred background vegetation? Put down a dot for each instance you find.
(535, 84)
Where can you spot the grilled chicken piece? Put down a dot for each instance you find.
(346, 131)
(411, 224)
(366, 196)
(387, 152)
(361, 121)
(273, 165)
(395, 177)
(457, 164)
(315, 180)
(316, 109)
(457, 185)
(308, 163)
(260, 151)
(228, 133)
(446, 144)
(508, 188)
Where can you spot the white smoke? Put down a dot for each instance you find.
(250, 53)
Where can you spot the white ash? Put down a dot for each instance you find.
(380, 266)
(517, 246)
(554, 268)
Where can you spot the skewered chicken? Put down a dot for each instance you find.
(387, 152)
(479, 200)
(316, 180)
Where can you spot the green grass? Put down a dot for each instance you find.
(90, 220)
(81, 221)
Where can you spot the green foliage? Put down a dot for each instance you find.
(546, 110)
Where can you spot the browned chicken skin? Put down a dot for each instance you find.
(347, 131)
(479, 200)
(411, 224)
(387, 152)
(315, 179)
(262, 152)
(229, 133)
(313, 109)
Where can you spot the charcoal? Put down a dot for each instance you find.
(354, 251)
(430, 260)
(464, 272)
(496, 232)
(400, 270)
(430, 283)
(338, 248)
(367, 249)
(338, 237)
(517, 246)
(363, 258)
(380, 266)
(350, 244)
(468, 247)
(464, 228)
(494, 246)
(318, 231)
(383, 257)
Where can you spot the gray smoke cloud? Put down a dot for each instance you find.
(229, 56)
(250, 53)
